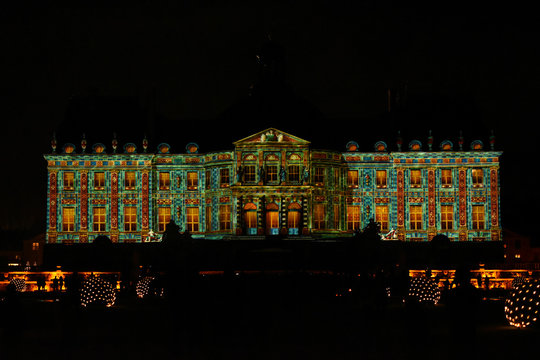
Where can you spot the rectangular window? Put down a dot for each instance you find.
(225, 217)
(381, 179)
(271, 173)
(68, 219)
(192, 180)
(294, 173)
(381, 216)
(337, 177)
(99, 218)
(319, 222)
(224, 178)
(129, 180)
(164, 181)
(35, 246)
(164, 217)
(130, 218)
(251, 219)
(69, 180)
(293, 219)
(416, 178)
(352, 179)
(446, 178)
(478, 217)
(99, 181)
(477, 177)
(415, 217)
(249, 174)
(318, 177)
(447, 217)
(192, 218)
(337, 217)
(353, 217)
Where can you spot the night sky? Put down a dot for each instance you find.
(188, 71)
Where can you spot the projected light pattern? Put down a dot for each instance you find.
(19, 284)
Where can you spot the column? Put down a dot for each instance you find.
(114, 206)
(400, 204)
(53, 197)
(462, 178)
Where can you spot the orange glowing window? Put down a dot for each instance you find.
(192, 180)
(381, 216)
(319, 176)
(69, 180)
(478, 217)
(99, 217)
(416, 178)
(381, 179)
(294, 173)
(68, 219)
(130, 218)
(129, 180)
(353, 217)
(224, 178)
(337, 216)
(225, 217)
(164, 181)
(477, 177)
(415, 217)
(192, 217)
(446, 178)
(271, 173)
(249, 174)
(99, 181)
(447, 217)
(352, 178)
(164, 217)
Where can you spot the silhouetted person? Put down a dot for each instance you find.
(61, 283)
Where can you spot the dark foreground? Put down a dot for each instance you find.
(261, 318)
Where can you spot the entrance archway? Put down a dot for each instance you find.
(294, 210)
(272, 219)
(250, 218)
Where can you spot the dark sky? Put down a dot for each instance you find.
(182, 71)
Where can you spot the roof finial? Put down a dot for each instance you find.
(145, 143)
(492, 140)
(430, 141)
(399, 140)
(83, 143)
(460, 140)
(53, 142)
(114, 143)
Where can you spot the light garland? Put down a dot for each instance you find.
(424, 290)
(19, 283)
(143, 286)
(522, 305)
(97, 291)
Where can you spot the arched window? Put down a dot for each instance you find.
(293, 218)
(272, 218)
(250, 215)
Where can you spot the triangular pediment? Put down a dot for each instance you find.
(271, 136)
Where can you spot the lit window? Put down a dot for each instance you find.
(69, 178)
(224, 217)
(294, 173)
(446, 178)
(35, 246)
(99, 181)
(381, 179)
(192, 217)
(208, 218)
(337, 177)
(416, 178)
(415, 217)
(477, 177)
(447, 217)
(192, 180)
(293, 216)
(272, 173)
(130, 218)
(353, 217)
(352, 178)
(381, 216)
(129, 180)
(164, 217)
(272, 216)
(224, 178)
(319, 221)
(68, 219)
(478, 217)
(99, 218)
(249, 174)
(164, 181)
(208, 179)
(319, 176)
(250, 216)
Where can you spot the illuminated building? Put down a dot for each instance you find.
(273, 183)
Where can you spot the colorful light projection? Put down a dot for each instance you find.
(522, 305)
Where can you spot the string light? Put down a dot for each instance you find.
(143, 286)
(522, 305)
(424, 290)
(19, 284)
(98, 291)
